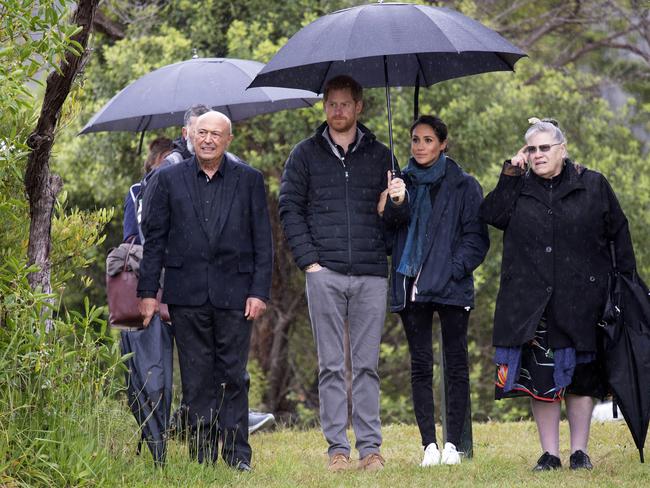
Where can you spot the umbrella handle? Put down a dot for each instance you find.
(394, 175)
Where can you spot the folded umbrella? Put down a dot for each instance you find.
(627, 355)
(149, 383)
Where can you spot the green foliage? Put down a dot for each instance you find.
(33, 37)
(34, 40)
(55, 376)
(76, 235)
(53, 385)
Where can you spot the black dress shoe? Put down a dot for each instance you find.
(548, 462)
(580, 460)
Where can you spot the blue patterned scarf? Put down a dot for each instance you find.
(421, 209)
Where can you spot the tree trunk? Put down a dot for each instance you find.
(42, 187)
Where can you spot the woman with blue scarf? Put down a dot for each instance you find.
(439, 240)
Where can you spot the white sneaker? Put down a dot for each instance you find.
(450, 455)
(431, 456)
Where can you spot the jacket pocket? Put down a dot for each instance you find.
(173, 261)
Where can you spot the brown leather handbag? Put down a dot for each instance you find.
(123, 301)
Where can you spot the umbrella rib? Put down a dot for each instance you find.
(327, 72)
(422, 72)
(358, 13)
(146, 120)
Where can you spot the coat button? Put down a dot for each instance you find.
(548, 249)
(549, 289)
(550, 212)
(592, 278)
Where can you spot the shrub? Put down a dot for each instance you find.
(54, 386)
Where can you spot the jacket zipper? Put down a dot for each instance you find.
(347, 213)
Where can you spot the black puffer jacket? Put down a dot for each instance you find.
(328, 204)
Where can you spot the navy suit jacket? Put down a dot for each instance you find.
(224, 262)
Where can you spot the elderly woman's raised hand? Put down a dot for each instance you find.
(520, 158)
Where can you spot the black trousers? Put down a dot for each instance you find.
(417, 319)
(213, 349)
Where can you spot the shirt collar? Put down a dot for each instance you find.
(221, 171)
(335, 147)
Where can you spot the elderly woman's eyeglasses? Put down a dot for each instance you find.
(542, 148)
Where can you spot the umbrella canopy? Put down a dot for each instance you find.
(627, 356)
(398, 44)
(149, 383)
(160, 98)
(388, 44)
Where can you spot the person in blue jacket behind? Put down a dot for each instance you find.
(438, 241)
(159, 148)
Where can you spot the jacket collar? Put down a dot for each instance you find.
(321, 135)
(571, 181)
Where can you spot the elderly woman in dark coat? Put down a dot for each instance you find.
(439, 241)
(558, 219)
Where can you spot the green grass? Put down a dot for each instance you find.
(504, 454)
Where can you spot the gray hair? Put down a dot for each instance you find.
(551, 126)
(194, 111)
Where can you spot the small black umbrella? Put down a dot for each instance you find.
(388, 44)
(627, 355)
(149, 383)
(160, 98)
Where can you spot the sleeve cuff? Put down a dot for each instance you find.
(511, 170)
(259, 297)
(147, 294)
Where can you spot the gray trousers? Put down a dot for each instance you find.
(334, 298)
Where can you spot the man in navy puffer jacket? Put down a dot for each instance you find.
(328, 206)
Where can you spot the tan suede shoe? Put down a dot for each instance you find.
(372, 462)
(339, 462)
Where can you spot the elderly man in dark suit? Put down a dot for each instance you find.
(209, 227)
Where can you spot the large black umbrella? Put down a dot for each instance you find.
(388, 44)
(160, 98)
(149, 383)
(627, 355)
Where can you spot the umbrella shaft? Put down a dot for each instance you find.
(390, 117)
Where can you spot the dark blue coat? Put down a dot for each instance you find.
(226, 262)
(457, 242)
